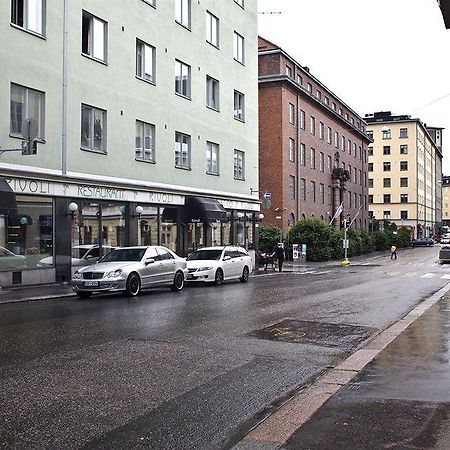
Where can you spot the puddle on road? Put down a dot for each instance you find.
(316, 333)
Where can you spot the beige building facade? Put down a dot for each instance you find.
(404, 173)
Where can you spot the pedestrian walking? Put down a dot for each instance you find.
(393, 252)
(279, 252)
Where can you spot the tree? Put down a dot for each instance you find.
(269, 236)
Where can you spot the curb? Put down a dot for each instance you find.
(276, 429)
(37, 298)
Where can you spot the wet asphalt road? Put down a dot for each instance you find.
(195, 369)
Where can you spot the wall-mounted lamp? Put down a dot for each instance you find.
(138, 211)
(260, 216)
(72, 208)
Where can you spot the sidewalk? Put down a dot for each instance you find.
(32, 293)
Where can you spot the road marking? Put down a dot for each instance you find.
(392, 274)
(445, 277)
(410, 274)
(428, 275)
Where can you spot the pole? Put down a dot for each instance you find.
(345, 239)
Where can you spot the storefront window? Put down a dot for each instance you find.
(168, 230)
(148, 227)
(26, 237)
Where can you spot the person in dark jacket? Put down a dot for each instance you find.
(279, 253)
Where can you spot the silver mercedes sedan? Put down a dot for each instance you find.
(130, 269)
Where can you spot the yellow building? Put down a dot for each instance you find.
(405, 173)
(446, 200)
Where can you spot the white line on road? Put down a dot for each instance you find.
(445, 277)
(410, 274)
(428, 275)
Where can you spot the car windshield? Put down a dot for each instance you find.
(79, 252)
(213, 255)
(124, 254)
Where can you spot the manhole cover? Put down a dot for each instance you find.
(317, 333)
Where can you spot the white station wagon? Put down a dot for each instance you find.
(216, 264)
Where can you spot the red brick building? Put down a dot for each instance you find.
(312, 146)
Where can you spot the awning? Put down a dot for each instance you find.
(8, 203)
(169, 215)
(204, 210)
(16, 220)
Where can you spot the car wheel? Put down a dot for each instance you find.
(133, 285)
(84, 294)
(178, 282)
(245, 274)
(218, 279)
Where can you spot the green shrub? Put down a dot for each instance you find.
(269, 236)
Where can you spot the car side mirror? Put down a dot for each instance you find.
(90, 256)
(149, 261)
(227, 258)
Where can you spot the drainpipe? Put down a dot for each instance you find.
(297, 160)
(64, 89)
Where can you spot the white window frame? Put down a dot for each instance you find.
(291, 150)
(239, 106)
(145, 142)
(182, 150)
(181, 69)
(38, 13)
(145, 61)
(17, 123)
(212, 29)
(94, 111)
(291, 114)
(239, 47)
(93, 37)
(212, 165)
(239, 165)
(212, 93)
(183, 13)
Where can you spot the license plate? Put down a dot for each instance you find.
(91, 283)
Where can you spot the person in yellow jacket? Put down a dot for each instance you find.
(393, 252)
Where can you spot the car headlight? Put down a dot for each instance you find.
(204, 268)
(114, 273)
(76, 275)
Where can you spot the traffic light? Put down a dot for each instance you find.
(30, 148)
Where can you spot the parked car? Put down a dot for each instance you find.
(445, 240)
(82, 255)
(9, 260)
(130, 269)
(422, 242)
(444, 254)
(216, 264)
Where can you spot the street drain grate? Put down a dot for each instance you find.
(317, 333)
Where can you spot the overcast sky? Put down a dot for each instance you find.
(376, 55)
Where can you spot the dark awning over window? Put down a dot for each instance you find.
(204, 210)
(8, 203)
(19, 219)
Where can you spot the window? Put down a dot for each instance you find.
(145, 141)
(302, 189)
(291, 150)
(370, 182)
(355, 176)
(182, 150)
(404, 182)
(145, 61)
(386, 134)
(289, 71)
(302, 155)
(330, 165)
(349, 146)
(321, 162)
(322, 193)
(327, 101)
(239, 106)
(94, 37)
(404, 149)
(310, 88)
(403, 215)
(183, 12)
(386, 215)
(312, 189)
(319, 94)
(330, 197)
(386, 149)
(360, 177)
(340, 111)
(25, 104)
(312, 125)
(354, 150)
(291, 187)
(302, 119)
(299, 80)
(403, 165)
(336, 139)
(239, 54)
(386, 182)
(239, 165)
(370, 167)
(370, 134)
(387, 166)
(212, 93)
(333, 105)
(29, 15)
(313, 159)
(321, 131)
(182, 79)
(291, 113)
(403, 198)
(370, 151)
(329, 135)
(343, 143)
(93, 128)
(403, 132)
(212, 29)
(370, 198)
(387, 198)
(212, 158)
(349, 199)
